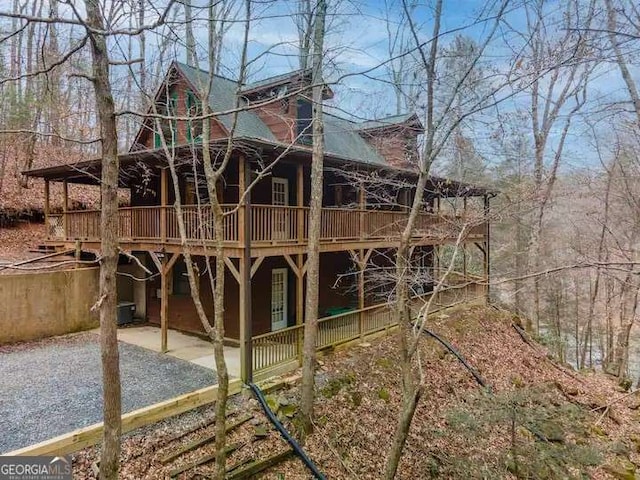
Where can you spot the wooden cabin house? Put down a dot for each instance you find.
(265, 237)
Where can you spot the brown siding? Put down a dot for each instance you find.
(183, 316)
(180, 86)
(280, 118)
(397, 145)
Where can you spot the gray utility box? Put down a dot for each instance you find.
(126, 310)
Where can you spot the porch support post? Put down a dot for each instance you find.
(300, 202)
(164, 190)
(299, 304)
(164, 305)
(164, 266)
(361, 257)
(362, 194)
(299, 269)
(46, 207)
(244, 237)
(65, 207)
(300, 262)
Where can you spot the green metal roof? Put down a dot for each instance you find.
(341, 135)
(276, 79)
(387, 121)
(221, 98)
(341, 138)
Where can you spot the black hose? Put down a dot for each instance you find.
(448, 346)
(276, 423)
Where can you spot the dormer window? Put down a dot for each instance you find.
(194, 109)
(304, 117)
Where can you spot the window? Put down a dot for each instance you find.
(304, 116)
(169, 128)
(194, 109)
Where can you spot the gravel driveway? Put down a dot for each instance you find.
(54, 386)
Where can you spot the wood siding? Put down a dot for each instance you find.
(183, 316)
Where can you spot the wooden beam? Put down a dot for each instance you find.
(245, 273)
(299, 302)
(164, 194)
(363, 204)
(232, 268)
(171, 262)
(257, 466)
(304, 267)
(361, 257)
(300, 202)
(362, 265)
(164, 305)
(228, 449)
(293, 265)
(156, 261)
(242, 186)
(256, 265)
(91, 435)
(198, 442)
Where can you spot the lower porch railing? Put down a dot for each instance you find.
(282, 346)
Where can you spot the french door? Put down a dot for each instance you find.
(278, 299)
(280, 216)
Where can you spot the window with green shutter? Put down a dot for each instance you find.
(169, 128)
(194, 109)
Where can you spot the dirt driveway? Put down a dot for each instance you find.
(54, 386)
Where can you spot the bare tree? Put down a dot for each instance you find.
(555, 84)
(439, 125)
(613, 35)
(112, 402)
(315, 212)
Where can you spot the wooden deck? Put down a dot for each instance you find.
(279, 229)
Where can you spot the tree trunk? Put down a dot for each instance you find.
(110, 457)
(190, 43)
(411, 396)
(622, 64)
(315, 212)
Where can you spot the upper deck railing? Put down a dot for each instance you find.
(269, 225)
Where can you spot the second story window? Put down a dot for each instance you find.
(194, 109)
(304, 116)
(169, 129)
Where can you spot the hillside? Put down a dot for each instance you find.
(540, 420)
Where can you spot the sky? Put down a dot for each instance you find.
(357, 47)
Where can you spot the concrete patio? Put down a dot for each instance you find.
(183, 346)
